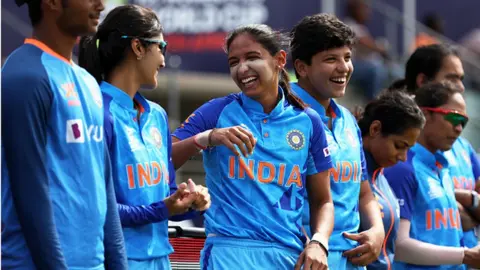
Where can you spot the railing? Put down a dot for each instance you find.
(187, 243)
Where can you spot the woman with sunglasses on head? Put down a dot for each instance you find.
(437, 63)
(255, 221)
(390, 125)
(126, 53)
(430, 232)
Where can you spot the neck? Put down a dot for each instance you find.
(269, 101)
(422, 140)
(55, 39)
(307, 86)
(123, 77)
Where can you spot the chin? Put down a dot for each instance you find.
(445, 147)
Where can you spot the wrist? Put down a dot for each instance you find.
(475, 201)
(169, 206)
(321, 240)
(468, 256)
(202, 140)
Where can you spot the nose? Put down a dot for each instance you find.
(402, 156)
(458, 128)
(342, 66)
(100, 4)
(242, 68)
(461, 86)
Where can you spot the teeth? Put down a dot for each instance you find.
(247, 80)
(339, 80)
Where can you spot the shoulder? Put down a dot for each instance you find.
(24, 67)
(222, 102)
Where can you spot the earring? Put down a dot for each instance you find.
(139, 57)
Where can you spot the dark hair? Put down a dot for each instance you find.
(436, 94)
(427, 60)
(396, 111)
(102, 52)
(273, 42)
(317, 33)
(35, 11)
(434, 22)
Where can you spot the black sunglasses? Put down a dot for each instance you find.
(162, 44)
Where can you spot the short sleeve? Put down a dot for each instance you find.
(475, 162)
(363, 161)
(401, 178)
(319, 156)
(204, 118)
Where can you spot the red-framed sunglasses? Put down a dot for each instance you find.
(452, 116)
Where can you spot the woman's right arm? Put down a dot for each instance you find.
(198, 132)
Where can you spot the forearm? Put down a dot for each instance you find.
(464, 197)
(182, 151)
(132, 216)
(412, 251)
(370, 211)
(322, 219)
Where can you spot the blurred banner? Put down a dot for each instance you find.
(196, 29)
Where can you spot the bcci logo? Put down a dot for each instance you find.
(156, 136)
(296, 139)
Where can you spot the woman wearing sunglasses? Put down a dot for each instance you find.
(127, 52)
(436, 63)
(430, 232)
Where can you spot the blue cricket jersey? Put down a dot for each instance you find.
(57, 196)
(464, 170)
(426, 197)
(349, 169)
(289, 142)
(390, 213)
(140, 150)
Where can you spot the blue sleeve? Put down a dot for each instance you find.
(475, 163)
(204, 118)
(108, 122)
(363, 161)
(115, 254)
(319, 159)
(26, 104)
(401, 179)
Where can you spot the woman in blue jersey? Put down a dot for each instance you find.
(436, 63)
(257, 197)
(430, 232)
(390, 125)
(321, 52)
(127, 52)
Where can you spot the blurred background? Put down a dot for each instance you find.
(197, 69)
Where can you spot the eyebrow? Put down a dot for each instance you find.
(248, 54)
(455, 75)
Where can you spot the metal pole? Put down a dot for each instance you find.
(328, 6)
(409, 22)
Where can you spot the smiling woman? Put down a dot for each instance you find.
(255, 221)
(126, 53)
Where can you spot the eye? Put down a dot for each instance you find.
(233, 63)
(348, 58)
(330, 59)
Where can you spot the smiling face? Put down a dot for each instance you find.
(329, 72)
(151, 62)
(253, 69)
(80, 17)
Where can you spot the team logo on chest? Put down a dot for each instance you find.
(296, 139)
(156, 136)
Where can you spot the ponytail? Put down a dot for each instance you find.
(287, 91)
(89, 57)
